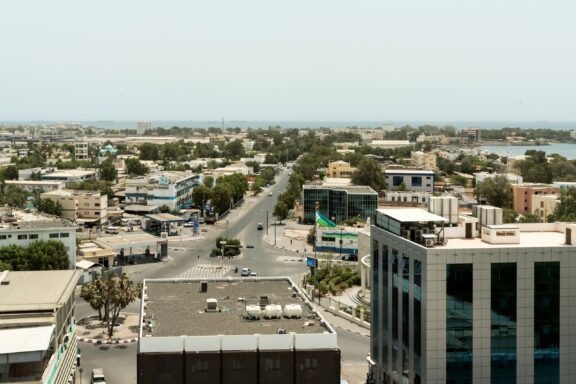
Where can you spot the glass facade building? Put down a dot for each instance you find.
(338, 203)
(473, 311)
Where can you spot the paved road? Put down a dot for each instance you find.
(189, 258)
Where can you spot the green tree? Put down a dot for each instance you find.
(201, 195)
(369, 173)
(49, 206)
(108, 171)
(234, 150)
(10, 173)
(459, 180)
(135, 167)
(209, 181)
(566, 209)
(280, 211)
(496, 190)
(149, 151)
(221, 197)
(115, 293)
(38, 256)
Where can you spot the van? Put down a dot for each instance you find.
(111, 230)
(98, 376)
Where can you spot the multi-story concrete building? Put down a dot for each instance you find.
(142, 127)
(415, 180)
(170, 189)
(544, 205)
(564, 185)
(81, 150)
(340, 169)
(424, 160)
(470, 135)
(21, 228)
(408, 197)
(522, 195)
(84, 207)
(38, 331)
(228, 330)
(338, 203)
(32, 185)
(457, 305)
(511, 177)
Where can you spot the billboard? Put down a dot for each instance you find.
(311, 262)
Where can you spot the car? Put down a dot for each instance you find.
(111, 230)
(189, 224)
(201, 220)
(253, 274)
(260, 226)
(245, 272)
(98, 376)
(269, 193)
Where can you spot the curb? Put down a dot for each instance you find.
(349, 330)
(98, 342)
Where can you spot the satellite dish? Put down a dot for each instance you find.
(164, 180)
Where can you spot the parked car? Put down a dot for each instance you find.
(189, 224)
(253, 274)
(260, 226)
(201, 220)
(245, 272)
(111, 230)
(269, 193)
(98, 376)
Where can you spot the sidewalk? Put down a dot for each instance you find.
(93, 331)
(290, 236)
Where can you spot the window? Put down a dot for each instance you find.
(22, 237)
(53, 236)
(200, 365)
(328, 239)
(397, 180)
(2, 237)
(33, 236)
(238, 364)
(311, 363)
(64, 235)
(416, 181)
(271, 364)
(97, 204)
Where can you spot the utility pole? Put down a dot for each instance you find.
(266, 221)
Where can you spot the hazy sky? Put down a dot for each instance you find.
(288, 60)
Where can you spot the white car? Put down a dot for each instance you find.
(188, 224)
(111, 230)
(245, 272)
(269, 193)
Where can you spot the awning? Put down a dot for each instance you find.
(84, 264)
(18, 340)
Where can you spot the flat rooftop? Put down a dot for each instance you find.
(348, 188)
(527, 240)
(36, 290)
(178, 307)
(71, 172)
(125, 241)
(16, 219)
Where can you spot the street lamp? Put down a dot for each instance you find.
(341, 229)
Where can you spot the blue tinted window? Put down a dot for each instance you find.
(547, 322)
(459, 324)
(397, 180)
(416, 181)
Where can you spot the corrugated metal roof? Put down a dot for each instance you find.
(17, 340)
(37, 290)
(412, 215)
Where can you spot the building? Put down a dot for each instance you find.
(470, 135)
(466, 306)
(338, 203)
(564, 185)
(340, 169)
(108, 150)
(408, 197)
(511, 177)
(95, 253)
(409, 180)
(26, 174)
(18, 227)
(81, 150)
(71, 175)
(522, 195)
(38, 331)
(170, 189)
(32, 185)
(424, 160)
(142, 127)
(23, 152)
(242, 330)
(83, 207)
(544, 205)
(343, 240)
(573, 134)
(390, 143)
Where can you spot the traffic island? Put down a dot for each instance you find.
(92, 330)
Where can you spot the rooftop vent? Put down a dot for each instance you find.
(4, 279)
(204, 286)
(211, 305)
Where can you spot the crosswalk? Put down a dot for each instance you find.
(205, 271)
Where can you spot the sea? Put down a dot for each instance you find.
(563, 149)
(245, 124)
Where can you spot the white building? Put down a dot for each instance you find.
(71, 175)
(390, 143)
(409, 179)
(511, 177)
(408, 197)
(142, 127)
(31, 185)
(343, 241)
(21, 228)
(456, 305)
(171, 189)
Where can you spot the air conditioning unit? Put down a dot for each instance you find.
(419, 239)
(406, 234)
(429, 243)
(419, 232)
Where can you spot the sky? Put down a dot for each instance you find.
(294, 60)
